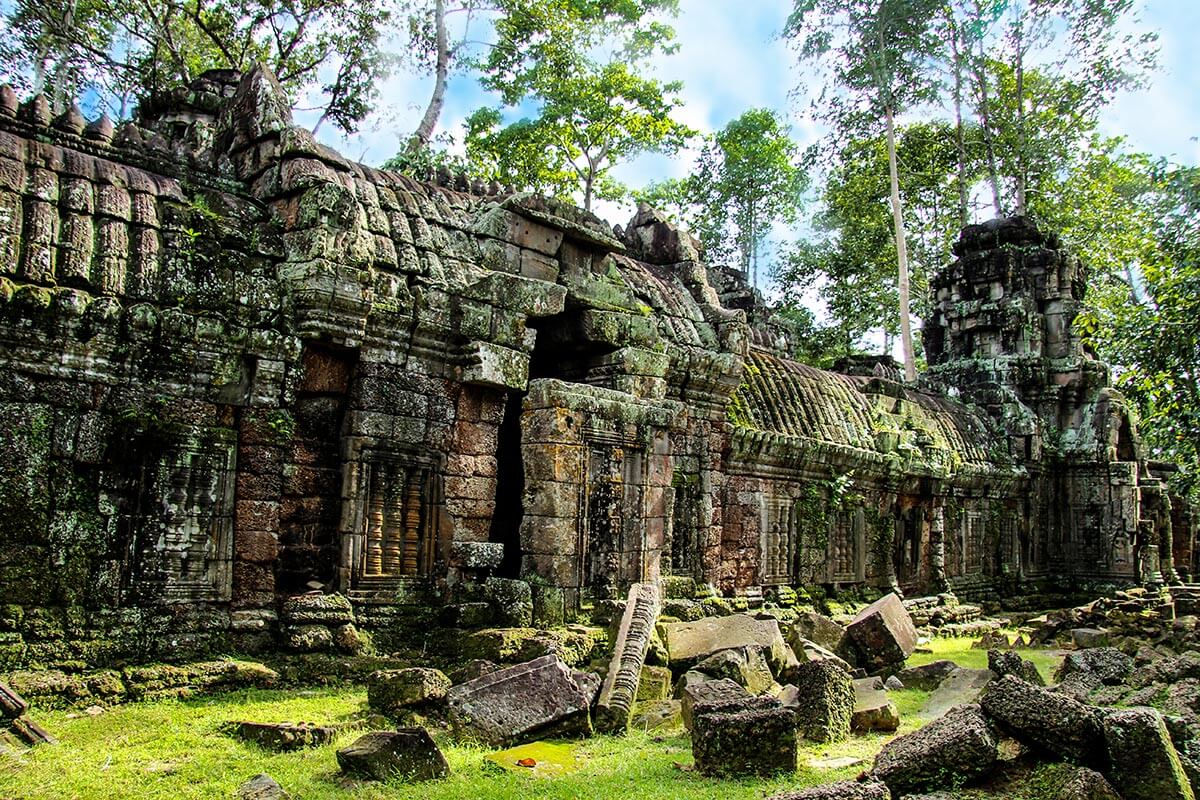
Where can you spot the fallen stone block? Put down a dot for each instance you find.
(868, 789)
(30, 732)
(12, 705)
(1044, 719)
(689, 643)
(409, 753)
(655, 684)
(392, 691)
(708, 691)
(1142, 761)
(1009, 662)
(823, 699)
(1108, 664)
(927, 677)
(956, 748)
(811, 651)
(262, 787)
(744, 741)
(1078, 686)
(284, 736)
(816, 628)
(1084, 638)
(882, 634)
(657, 715)
(1087, 784)
(537, 699)
(962, 686)
(873, 711)
(743, 665)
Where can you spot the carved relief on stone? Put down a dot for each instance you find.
(187, 548)
(395, 513)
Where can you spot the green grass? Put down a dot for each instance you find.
(176, 749)
(959, 651)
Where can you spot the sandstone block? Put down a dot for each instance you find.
(823, 700)
(866, 789)
(1143, 763)
(408, 752)
(743, 665)
(528, 701)
(957, 747)
(707, 692)
(391, 691)
(883, 633)
(745, 741)
(1044, 719)
(689, 643)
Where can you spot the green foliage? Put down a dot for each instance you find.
(747, 178)
(1144, 313)
(325, 51)
(851, 265)
(591, 112)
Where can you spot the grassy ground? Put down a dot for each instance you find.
(959, 651)
(176, 749)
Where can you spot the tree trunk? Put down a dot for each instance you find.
(424, 133)
(1022, 154)
(587, 190)
(959, 134)
(906, 343)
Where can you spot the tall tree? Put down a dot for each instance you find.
(592, 110)
(748, 177)
(850, 263)
(881, 52)
(323, 51)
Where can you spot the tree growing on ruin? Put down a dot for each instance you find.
(326, 53)
(878, 53)
(577, 66)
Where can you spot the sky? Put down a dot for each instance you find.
(730, 60)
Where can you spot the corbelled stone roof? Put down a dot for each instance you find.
(921, 431)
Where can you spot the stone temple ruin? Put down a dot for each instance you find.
(238, 367)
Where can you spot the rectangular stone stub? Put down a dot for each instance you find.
(492, 365)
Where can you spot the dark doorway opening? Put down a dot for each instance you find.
(510, 487)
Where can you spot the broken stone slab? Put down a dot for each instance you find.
(1085, 638)
(392, 691)
(927, 677)
(747, 739)
(409, 753)
(30, 732)
(953, 749)
(12, 705)
(823, 699)
(1087, 784)
(654, 685)
(1108, 664)
(284, 736)
(1143, 763)
(689, 643)
(539, 698)
(1009, 662)
(657, 715)
(811, 651)
(817, 628)
(620, 688)
(866, 789)
(962, 686)
(743, 665)
(1044, 719)
(882, 634)
(262, 787)
(873, 711)
(708, 691)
